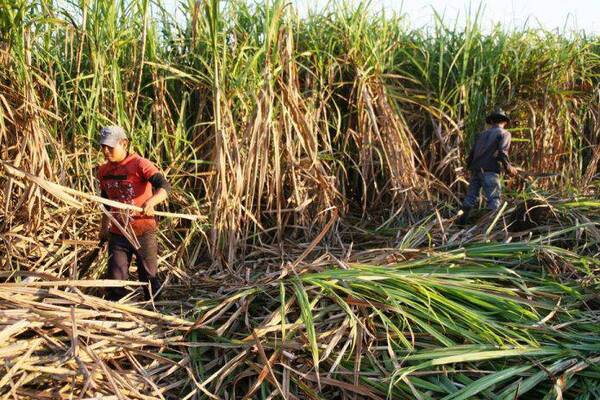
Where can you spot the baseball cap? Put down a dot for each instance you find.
(110, 135)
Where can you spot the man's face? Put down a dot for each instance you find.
(117, 153)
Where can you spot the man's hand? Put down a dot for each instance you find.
(104, 227)
(158, 197)
(512, 171)
(148, 207)
(103, 234)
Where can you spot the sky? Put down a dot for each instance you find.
(563, 15)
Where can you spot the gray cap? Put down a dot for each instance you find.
(110, 135)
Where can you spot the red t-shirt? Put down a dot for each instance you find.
(127, 182)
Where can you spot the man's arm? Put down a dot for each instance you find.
(503, 147)
(470, 157)
(161, 191)
(104, 226)
(472, 151)
(104, 222)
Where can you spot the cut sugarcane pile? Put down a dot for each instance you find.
(60, 343)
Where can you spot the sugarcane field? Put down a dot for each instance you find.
(241, 200)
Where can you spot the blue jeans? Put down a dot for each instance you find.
(490, 182)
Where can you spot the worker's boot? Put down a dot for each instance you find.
(462, 219)
(115, 293)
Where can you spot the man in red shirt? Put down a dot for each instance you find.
(131, 179)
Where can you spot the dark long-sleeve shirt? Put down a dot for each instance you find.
(490, 151)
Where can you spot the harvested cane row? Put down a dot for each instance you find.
(490, 319)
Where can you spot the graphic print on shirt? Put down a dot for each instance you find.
(119, 188)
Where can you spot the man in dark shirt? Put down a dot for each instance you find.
(488, 157)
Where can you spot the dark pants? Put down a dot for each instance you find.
(120, 253)
(490, 183)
